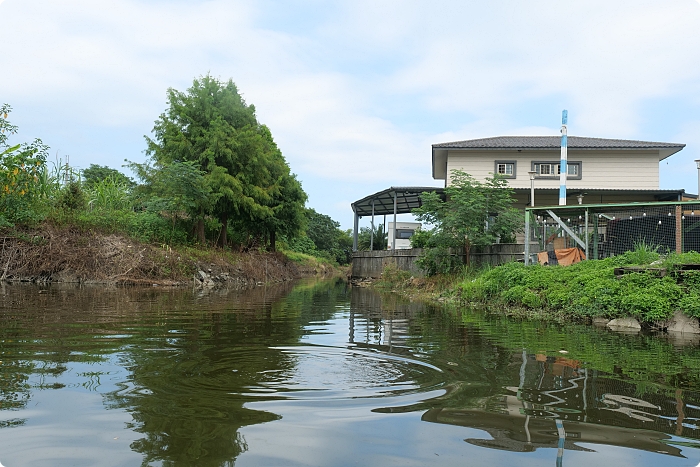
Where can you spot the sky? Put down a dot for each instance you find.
(356, 92)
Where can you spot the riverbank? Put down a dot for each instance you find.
(639, 289)
(51, 254)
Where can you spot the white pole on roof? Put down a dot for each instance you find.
(562, 165)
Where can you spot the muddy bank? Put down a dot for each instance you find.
(67, 255)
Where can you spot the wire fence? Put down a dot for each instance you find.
(603, 230)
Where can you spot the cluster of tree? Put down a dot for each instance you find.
(210, 158)
(323, 237)
(213, 173)
(474, 214)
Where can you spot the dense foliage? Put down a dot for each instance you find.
(21, 168)
(376, 238)
(211, 126)
(473, 214)
(95, 174)
(590, 288)
(214, 173)
(323, 238)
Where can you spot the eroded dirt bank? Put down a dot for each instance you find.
(60, 254)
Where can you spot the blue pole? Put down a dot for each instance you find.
(563, 169)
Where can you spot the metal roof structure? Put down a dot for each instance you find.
(407, 199)
(394, 200)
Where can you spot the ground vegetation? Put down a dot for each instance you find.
(650, 290)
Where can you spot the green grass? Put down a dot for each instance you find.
(590, 288)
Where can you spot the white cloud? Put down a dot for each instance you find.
(361, 91)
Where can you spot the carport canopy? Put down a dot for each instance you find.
(394, 200)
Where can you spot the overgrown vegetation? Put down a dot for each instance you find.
(473, 214)
(214, 177)
(591, 289)
(575, 293)
(322, 238)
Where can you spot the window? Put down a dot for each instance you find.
(404, 234)
(505, 169)
(545, 169)
(552, 169)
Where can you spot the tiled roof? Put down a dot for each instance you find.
(553, 142)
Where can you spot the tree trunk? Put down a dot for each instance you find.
(223, 237)
(200, 231)
(467, 253)
(273, 241)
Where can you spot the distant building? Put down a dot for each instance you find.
(601, 170)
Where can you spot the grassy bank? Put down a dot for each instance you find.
(575, 293)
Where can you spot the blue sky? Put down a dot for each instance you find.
(355, 92)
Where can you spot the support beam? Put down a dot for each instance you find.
(371, 238)
(566, 228)
(679, 230)
(595, 236)
(393, 237)
(527, 237)
(586, 232)
(356, 225)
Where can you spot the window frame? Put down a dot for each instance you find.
(508, 176)
(535, 168)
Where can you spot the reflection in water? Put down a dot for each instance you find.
(194, 373)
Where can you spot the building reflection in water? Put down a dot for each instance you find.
(557, 403)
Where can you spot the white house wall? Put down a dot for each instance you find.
(599, 169)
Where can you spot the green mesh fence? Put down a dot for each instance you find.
(606, 230)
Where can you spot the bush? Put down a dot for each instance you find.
(421, 238)
(590, 288)
(71, 197)
(473, 290)
(438, 261)
(303, 244)
(690, 304)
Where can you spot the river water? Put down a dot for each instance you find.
(325, 374)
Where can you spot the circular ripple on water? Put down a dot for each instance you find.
(296, 372)
(331, 372)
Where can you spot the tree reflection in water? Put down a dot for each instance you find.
(194, 363)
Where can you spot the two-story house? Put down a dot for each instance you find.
(601, 170)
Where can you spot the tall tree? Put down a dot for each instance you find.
(212, 125)
(97, 173)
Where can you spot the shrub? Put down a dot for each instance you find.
(438, 261)
(473, 290)
(71, 197)
(421, 238)
(690, 304)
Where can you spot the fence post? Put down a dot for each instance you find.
(595, 236)
(679, 229)
(586, 233)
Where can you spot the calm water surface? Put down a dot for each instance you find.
(324, 374)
